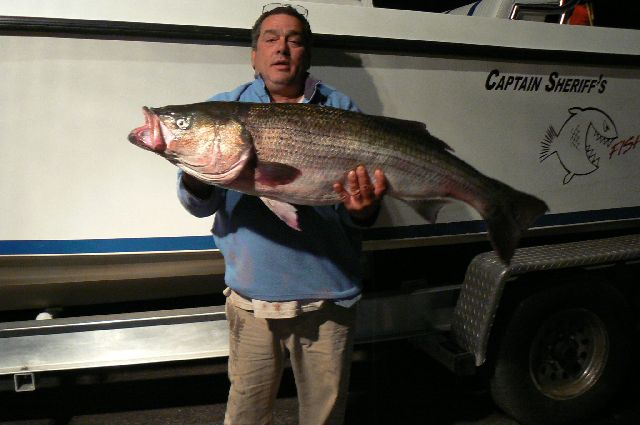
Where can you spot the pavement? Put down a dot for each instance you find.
(392, 384)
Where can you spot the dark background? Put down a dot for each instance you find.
(393, 383)
(607, 13)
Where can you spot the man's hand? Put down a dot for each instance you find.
(362, 200)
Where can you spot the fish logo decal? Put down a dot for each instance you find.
(577, 144)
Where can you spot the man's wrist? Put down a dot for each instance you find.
(367, 219)
(196, 187)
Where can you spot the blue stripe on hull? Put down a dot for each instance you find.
(187, 243)
(100, 246)
(479, 226)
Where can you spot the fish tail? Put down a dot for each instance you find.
(547, 142)
(510, 215)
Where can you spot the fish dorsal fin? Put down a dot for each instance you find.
(407, 124)
(415, 127)
(439, 143)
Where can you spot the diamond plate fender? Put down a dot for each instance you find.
(486, 277)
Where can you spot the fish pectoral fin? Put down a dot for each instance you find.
(275, 174)
(285, 212)
(568, 177)
(429, 208)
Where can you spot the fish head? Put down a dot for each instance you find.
(585, 137)
(601, 133)
(604, 128)
(210, 145)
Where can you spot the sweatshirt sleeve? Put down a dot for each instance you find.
(340, 100)
(196, 206)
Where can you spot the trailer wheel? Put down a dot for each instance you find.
(563, 354)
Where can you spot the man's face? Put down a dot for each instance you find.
(280, 56)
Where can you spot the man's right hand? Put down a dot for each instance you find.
(196, 187)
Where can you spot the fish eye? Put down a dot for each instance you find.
(183, 123)
(605, 126)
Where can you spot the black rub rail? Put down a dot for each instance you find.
(122, 30)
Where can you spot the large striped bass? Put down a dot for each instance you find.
(293, 154)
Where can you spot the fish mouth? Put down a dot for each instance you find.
(591, 149)
(592, 156)
(150, 135)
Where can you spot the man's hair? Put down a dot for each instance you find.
(282, 10)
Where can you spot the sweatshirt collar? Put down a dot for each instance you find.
(310, 89)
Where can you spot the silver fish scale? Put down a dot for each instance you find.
(325, 142)
(486, 276)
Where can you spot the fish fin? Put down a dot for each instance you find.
(545, 145)
(575, 110)
(512, 213)
(428, 209)
(285, 212)
(274, 174)
(415, 127)
(568, 177)
(439, 143)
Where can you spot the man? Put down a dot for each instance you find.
(288, 291)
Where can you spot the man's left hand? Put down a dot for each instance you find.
(362, 200)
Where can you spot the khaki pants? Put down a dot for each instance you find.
(319, 345)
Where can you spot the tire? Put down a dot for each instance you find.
(562, 355)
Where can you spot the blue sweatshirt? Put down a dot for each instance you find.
(264, 258)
